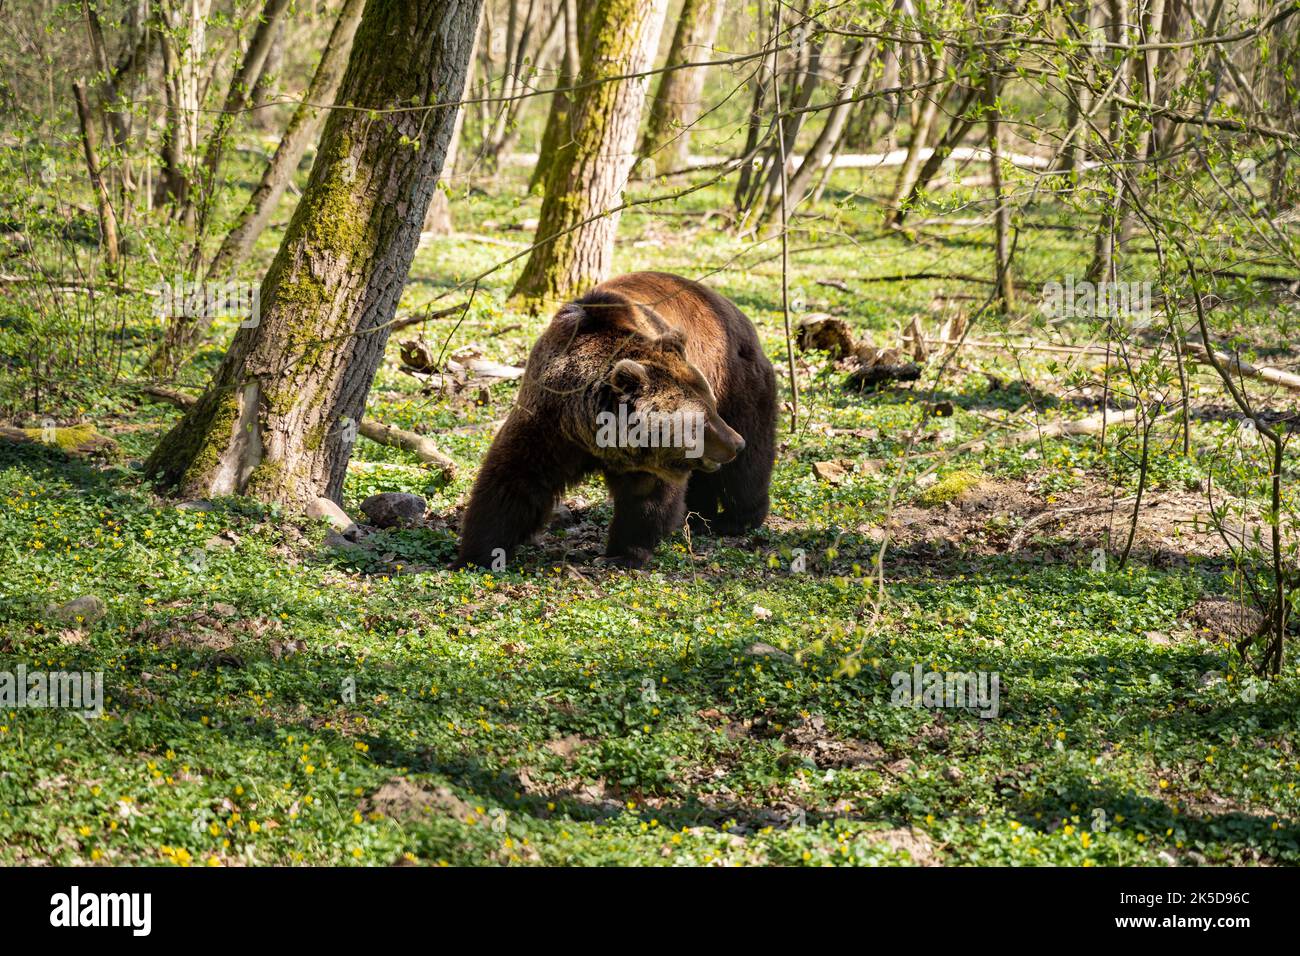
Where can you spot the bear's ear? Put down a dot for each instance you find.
(627, 376)
(673, 341)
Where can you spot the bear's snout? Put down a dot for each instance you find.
(722, 443)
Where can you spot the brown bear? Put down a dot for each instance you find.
(655, 381)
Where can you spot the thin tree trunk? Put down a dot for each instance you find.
(184, 32)
(267, 87)
(805, 78)
(559, 129)
(1151, 31)
(676, 105)
(1079, 100)
(107, 218)
(1103, 264)
(278, 420)
(298, 135)
(438, 219)
(576, 228)
(109, 95)
(238, 98)
(803, 182)
(907, 173)
(958, 128)
(1001, 208)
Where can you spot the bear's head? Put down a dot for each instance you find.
(658, 413)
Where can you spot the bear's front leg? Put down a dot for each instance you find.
(513, 495)
(646, 509)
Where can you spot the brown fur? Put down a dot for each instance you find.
(657, 342)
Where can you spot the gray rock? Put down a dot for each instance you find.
(759, 649)
(199, 504)
(340, 542)
(89, 608)
(394, 509)
(331, 512)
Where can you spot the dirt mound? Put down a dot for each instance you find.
(976, 513)
(400, 799)
(1222, 618)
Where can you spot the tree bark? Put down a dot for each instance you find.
(576, 229)
(278, 420)
(676, 106)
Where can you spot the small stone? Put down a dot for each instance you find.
(394, 509)
(324, 508)
(198, 504)
(83, 610)
(952, 773)
(759, 649)
(832, 472)
(223, 541)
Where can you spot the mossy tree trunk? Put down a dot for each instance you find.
(676, 105)
(278, 420)
(588, 172)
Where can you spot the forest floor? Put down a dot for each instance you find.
(277, 695)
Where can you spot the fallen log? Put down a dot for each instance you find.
(1275, 376)
(1265, 373)
(1090, 425)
